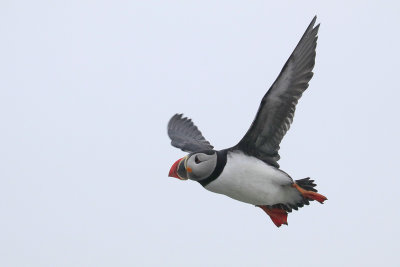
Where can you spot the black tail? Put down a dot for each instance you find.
(307, 184)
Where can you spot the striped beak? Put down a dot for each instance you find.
(178, 165)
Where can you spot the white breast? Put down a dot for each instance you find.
(250, 180)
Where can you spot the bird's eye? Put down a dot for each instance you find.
(196, 159)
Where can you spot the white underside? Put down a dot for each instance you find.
(250, 180)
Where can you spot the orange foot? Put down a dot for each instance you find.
(278, 216)
(310, 194)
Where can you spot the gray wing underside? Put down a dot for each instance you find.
(278, 106)
(185, 135)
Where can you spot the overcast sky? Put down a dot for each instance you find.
(87, 89)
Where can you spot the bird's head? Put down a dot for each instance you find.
(194, 166)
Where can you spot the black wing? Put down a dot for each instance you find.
(277, 107)
(185, 135)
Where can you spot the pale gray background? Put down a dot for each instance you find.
(86, 91)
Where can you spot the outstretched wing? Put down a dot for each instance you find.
(185, 135)
(277, 107)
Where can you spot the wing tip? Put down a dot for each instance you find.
(314, 20)
(312, 27)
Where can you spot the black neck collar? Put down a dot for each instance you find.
(221, 162)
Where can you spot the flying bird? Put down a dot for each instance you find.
(249, 171)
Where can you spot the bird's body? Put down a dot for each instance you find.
(249, 171)
(250, 180)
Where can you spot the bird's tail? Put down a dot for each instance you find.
(307, 184)
(307, 188)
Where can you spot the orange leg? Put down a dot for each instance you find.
(278, 216)
(310, 194)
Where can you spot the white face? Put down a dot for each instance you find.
(200, 165)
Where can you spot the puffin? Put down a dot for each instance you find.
(249, 171)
